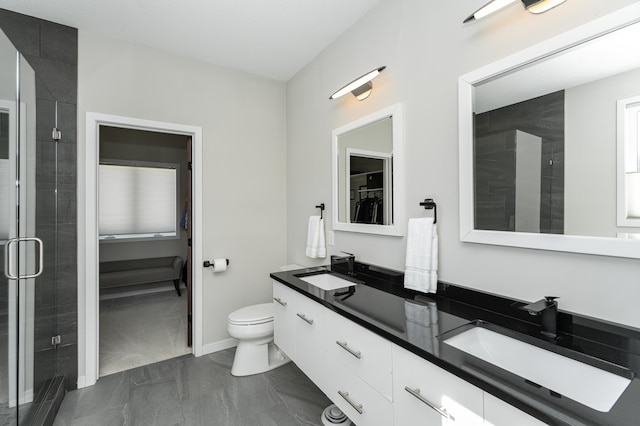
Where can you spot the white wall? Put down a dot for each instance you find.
(590, 154)
(243, 122)
(425, 49)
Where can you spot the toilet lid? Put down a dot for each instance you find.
(253, 314)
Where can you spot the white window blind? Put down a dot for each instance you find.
(137, 201)
(632, 160)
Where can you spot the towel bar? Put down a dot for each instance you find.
(429, 204)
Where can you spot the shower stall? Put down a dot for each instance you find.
(32, 382)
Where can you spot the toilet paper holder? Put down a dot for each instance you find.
(207, 264)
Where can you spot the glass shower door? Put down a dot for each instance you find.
(8, 229)
(27, 320)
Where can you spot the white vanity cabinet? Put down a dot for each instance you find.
(499, 413)
(427, 395)
(284, 319)
(373, 381)
(359, 371)
(364, 353)
(363, 404)
(298, 328)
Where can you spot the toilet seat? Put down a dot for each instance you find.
(252, 315)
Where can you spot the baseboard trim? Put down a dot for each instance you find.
(218, 346)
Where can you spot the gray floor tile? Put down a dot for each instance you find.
(196, 391)
(111, 393)
(251, 394)
(200, 376)
(214, 408)
(156, 404)
(277, 416)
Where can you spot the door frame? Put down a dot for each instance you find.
(88, 295)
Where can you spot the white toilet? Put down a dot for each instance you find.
(253, 327)
(256, 352)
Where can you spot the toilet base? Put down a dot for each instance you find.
(252, 358)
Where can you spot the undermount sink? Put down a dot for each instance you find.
(326, 280)
(583, 383)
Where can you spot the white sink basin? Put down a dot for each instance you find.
(588, 385)
(327, 281)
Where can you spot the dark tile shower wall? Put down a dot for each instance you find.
(52, 51)
(495, 173)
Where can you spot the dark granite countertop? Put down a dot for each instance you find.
(381, 304)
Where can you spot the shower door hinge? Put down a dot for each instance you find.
(55, 341)
(189, 318)
(56, 134)
(189, 166)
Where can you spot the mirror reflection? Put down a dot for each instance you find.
(365, 155)
(366, 171)
(544, 141)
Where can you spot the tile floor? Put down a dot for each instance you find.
(142, 329)
(196, 391)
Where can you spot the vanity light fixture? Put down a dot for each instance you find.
(533, 6)
(360, 87)
(541, 6)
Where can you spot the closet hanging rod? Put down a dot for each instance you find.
(321, 207)
(429, 204)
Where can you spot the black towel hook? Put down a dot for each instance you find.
(429, 204)
(321, 207)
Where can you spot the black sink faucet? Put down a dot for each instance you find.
(350, 260)
(547, 310)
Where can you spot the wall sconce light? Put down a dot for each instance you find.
(533, 6)
(360, 87)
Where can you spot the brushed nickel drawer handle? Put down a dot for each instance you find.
(357, 407)
(277, 299)
(307, 320)
(440, 410)
(346, 347)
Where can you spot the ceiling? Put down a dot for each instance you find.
(269, 38)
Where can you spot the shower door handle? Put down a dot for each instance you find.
(8, 258)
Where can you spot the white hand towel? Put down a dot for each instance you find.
(316, 247)
(421, 265)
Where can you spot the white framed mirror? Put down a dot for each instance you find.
(367, 175)
(554, 107)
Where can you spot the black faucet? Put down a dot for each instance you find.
(547, 309)
(349, 260)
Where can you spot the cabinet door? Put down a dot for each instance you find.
(425, 394)
(284, 319)
(309, 323)
(499, 413)
(358, 400)
(361, 351)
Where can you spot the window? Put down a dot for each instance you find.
(629, 161)
(137, 201)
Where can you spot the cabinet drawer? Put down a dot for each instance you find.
(310, 319)
(428, 395)
(499, 413)
(364, 353)
(359, 401)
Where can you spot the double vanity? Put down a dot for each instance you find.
(390, 356)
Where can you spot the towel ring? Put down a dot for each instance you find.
(429, 204)
(321, 207)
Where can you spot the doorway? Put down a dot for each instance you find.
(91, 250)
(143, 203)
